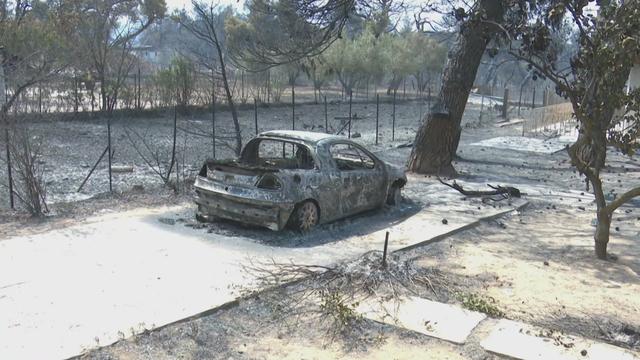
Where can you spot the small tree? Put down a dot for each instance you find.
(33, 49)
(206, 27)
(30, 186)
(176, 83)
(104, 36)
(609, 45)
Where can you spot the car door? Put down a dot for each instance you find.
(361, 177)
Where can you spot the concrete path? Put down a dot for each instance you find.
(91, 284)
(432, 318)
(522, 341)
(505, 337)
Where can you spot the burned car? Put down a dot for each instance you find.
(297, 179)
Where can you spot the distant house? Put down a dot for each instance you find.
(154, 56)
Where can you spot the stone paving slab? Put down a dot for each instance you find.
(439, 320)
(522, 341)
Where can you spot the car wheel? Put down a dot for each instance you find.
(395, 195)
(305, 216)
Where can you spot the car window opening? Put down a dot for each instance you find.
(348, 157)
(276, 154)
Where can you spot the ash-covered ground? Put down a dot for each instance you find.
(71, 148)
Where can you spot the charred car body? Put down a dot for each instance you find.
(296, 178)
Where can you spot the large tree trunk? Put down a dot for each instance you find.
(437, 140)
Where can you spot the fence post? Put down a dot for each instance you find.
(533, 101)
(213, 120)
(404, 88)
(384, 250)
(255, 113)
(293, 106)
(109, 147)
(75, 94)
(393, 118)
(9, 174)
(377, 115)
(350, 103)
(173, 148)
(326, 117)
(93, 169)
(139, 98)
(505, 104)
(481, 110)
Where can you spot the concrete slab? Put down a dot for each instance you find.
(522, 341)
(509, 123)
(91, 284)
(521, 143)
(442, 321)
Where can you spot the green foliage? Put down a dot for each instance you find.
(278, 32)
(370, 57)
(336, 307)
(176, 83)
(483, 304)
(103, 37)
(33, 47)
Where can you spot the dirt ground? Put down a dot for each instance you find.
(537, 265)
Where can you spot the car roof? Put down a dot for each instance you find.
(305, 136)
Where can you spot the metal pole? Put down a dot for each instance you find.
(293, 106)
(481, 109)
(93, 169)
(533, 101)
(255, 113)
(109, 147)
(6, 138)
(139, 89)
(404, 88)
(505, 104)
(326, 117)
(384, 251)
(350, 103)
(5, 122)
(393, 118)
(213, 120)
(377, 115)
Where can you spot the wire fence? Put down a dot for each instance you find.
(75, 162)
(144, 143)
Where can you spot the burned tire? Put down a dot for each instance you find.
(394, 197)
(201, 218)
(305, 216)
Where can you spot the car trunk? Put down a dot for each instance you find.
(235, 173)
